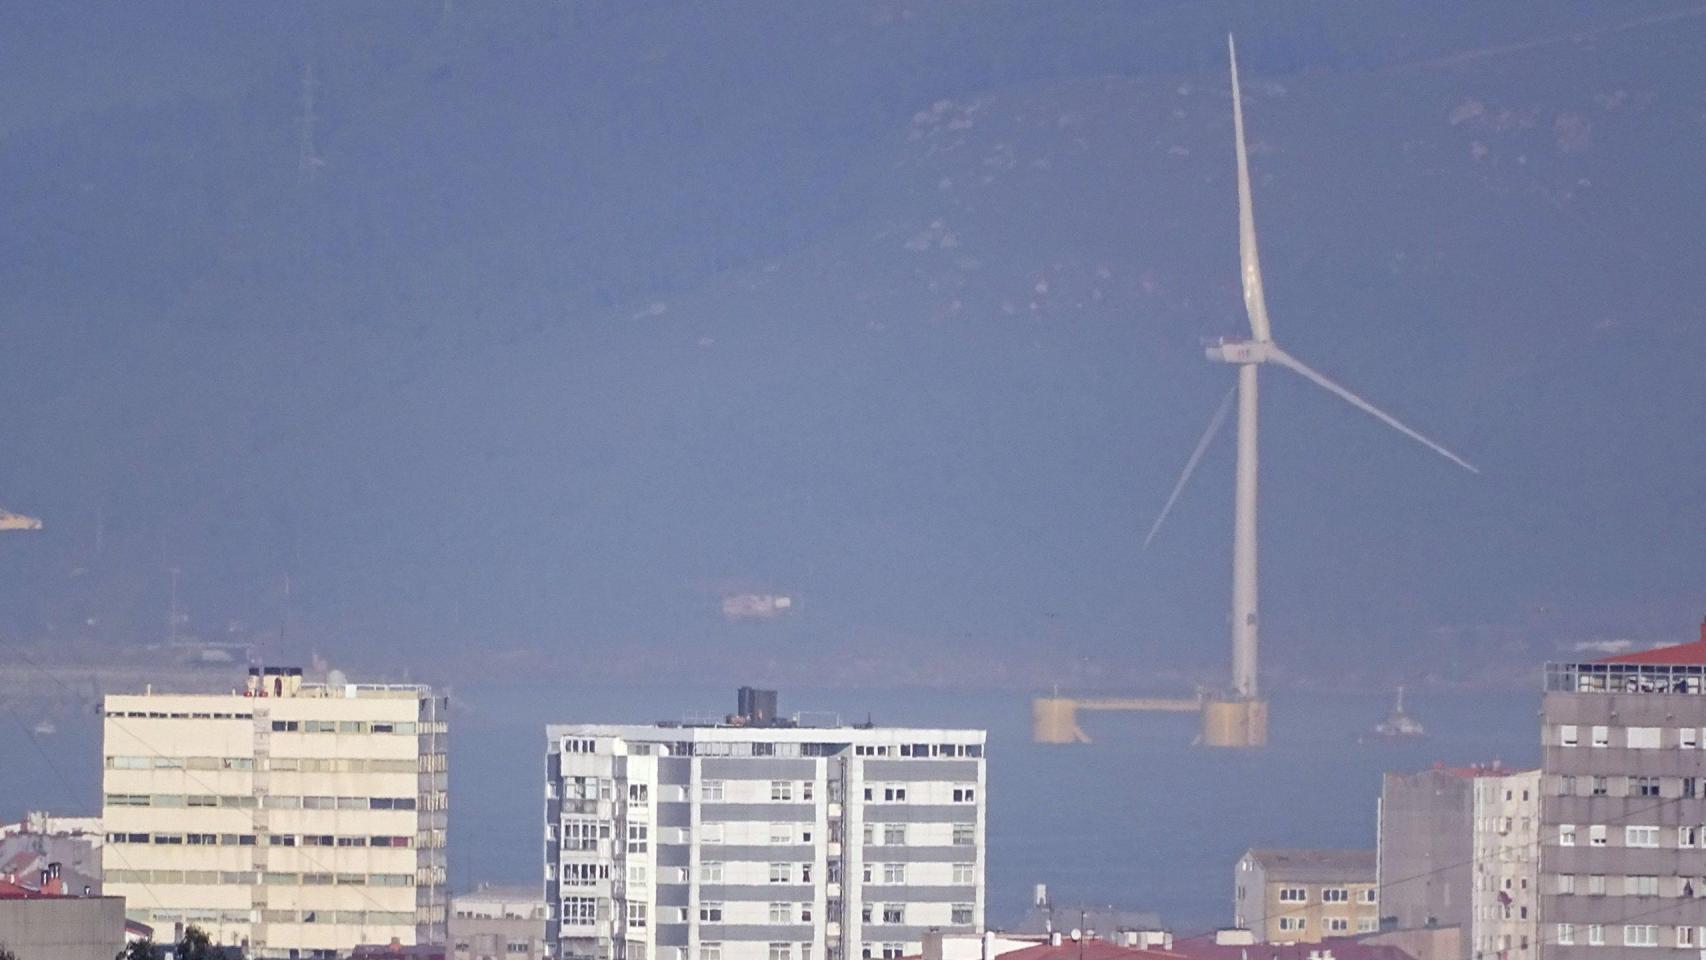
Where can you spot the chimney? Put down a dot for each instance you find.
(1054, 939)
(933, 944)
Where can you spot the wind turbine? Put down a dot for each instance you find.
(1239, 718)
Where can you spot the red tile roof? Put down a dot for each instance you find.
(1680, 654)
(1088, 949)
(11, 891)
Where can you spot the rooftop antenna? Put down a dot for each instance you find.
(309, 164)
(1244, 713)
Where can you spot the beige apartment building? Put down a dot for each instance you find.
(1306, 896)
(296, 819)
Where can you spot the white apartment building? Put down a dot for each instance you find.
(298, 819)
(758, 840)
(1505, 885)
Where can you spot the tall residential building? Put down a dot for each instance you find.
(1305, 896)
(1506, 868)
(1457, 851)
(300, 819)
(759, 839)
(1622, 861)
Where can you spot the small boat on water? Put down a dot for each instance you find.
(1399, 724)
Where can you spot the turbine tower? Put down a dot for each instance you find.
(1239, 717)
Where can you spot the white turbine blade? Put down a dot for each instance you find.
(1191, 464)
(1255, 301)
(1276, 355)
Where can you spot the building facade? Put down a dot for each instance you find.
(1305, 896)
(52, 926)
(1426, 847)
(760, 842)
(1458, 849)
(498, 923)
(297, 819)
(1506, 870)
(1622, 854)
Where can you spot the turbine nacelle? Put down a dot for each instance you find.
(1240, 351)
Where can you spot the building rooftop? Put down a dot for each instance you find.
(1315, 865)
(1204, 948)
(1677, 654)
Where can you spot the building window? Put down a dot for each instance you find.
(894, 873)
(865, 913)
(1338, 925)
(806, 914)
(1687, 836)
(965, 794)
(1600, 787)
(1370, 895)
(1567, 735)
(636, 915)
(964, 834)
(781, 951)
(1567, 785)
(710, 833)
(1291, 924)
(711, 871)
(1640, 886)
(636, 838)
(806, 792)
(1643, 786)
(960, 913)
(1293, 895)
(1640, 935)
(894, 913)
(1566, 934)
(781, 833)
(781, 873)
(894, 793)
(1596, 884)
(580, 911)
(1596, 835)
(1641, 837)
(711, 950)
(965, 874)
(1335, 895)
(893, 951)
(1685, 936)
(1642, 738)
(712, 791)
(1367, 924)
(1566, 834)
(781, 790)
(781, 913)
(894, 834)
(710, 911)
(1596, 935)
(1688, 738)
(1602, 736)
(1566, 883)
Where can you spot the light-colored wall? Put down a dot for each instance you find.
(1507, 860)
(63, 928)
(337, 886)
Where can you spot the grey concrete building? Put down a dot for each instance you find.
(35, 926)
(760, 840)
(498, 923)
(1622, 857)
(1426, 848)
(1457, 849)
